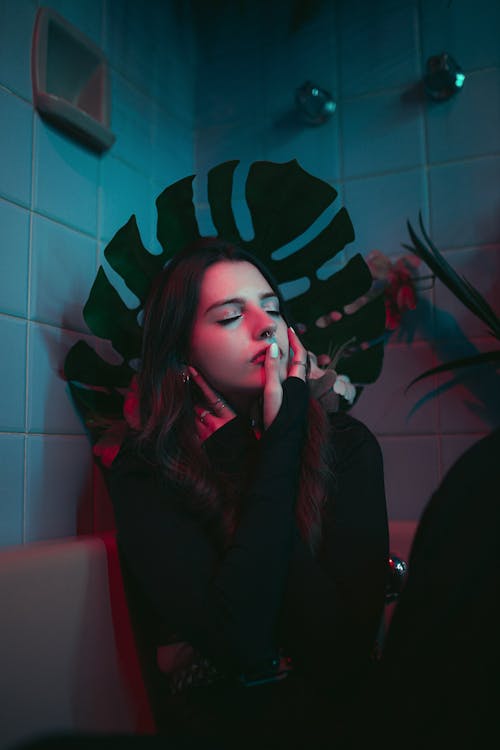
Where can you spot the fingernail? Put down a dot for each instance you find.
(193, 371)
(273, 350)
(292, 330)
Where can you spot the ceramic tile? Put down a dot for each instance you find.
(457, 129)
(464, 203)
(12, 374)
(243, 141)
(468, 31)
(379, 208)
(66, 176)
(381, 133)
(135, 36)
(387, 408)
(16, 29)
(378, 46)
(411, 474)
(229, 95)
(228, 29)
(469, 398)
(62, 273)
(124, 192)
(481, 267)
(172, 148)
(316, 149)
(59, 484)
(15, 148)
(50, 409)
(11, 489)
(131, 122)
(175, 86)
(14, 259)
(284, 23)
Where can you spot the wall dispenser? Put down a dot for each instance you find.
(70, 80)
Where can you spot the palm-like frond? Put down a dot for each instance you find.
(284, 201)
(464, 291)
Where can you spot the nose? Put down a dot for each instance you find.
(264, 327)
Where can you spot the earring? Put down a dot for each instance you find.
(185, 376)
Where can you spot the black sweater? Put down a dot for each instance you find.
(266, 591)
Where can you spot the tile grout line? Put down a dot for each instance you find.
(28, 327)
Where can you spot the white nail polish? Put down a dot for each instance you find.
(273, 350)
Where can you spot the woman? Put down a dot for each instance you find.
(253, 523)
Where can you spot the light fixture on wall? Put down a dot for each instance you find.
(443, 77)
(315, 105)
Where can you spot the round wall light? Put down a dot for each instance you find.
(443, 77)
(315, 105)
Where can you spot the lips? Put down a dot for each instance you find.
(260, 356)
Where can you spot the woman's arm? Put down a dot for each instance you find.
(225, 608)
(333, 605)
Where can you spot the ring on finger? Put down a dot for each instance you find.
(303, 364)
(219, 403)
(203, 415)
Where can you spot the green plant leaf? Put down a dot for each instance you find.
(128, 257)
(108, 317)
(83, 364)
(458, 285)
(284, 200)
(177, 225)
(364, 366)
(219, 191)
(97, 409)
(474, 360)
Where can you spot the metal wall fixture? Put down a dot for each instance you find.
(315, 105)
(443, 77)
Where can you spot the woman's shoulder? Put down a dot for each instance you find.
(133, 457)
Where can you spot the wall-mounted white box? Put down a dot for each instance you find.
(70, 80)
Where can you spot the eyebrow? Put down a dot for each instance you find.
(240, 300)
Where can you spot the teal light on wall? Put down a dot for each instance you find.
(443, 77)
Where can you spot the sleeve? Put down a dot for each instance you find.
(227, 608)
(333, 604)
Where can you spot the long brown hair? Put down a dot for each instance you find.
(166, 401)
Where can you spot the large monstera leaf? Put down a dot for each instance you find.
(284, 201)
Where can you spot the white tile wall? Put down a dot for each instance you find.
(59, 204)
(16, 137)
(12, 373)
(63, 267)
(58, 485)
(16, 26)
(11, 489)
(14, 259)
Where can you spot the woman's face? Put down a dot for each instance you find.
(237, 318)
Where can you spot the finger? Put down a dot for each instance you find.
(298, 364)
(272, 367)
(216, 403)
(273, 392)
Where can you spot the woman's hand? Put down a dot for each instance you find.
(215, 414)
(273, 390)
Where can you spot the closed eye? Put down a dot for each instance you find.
(226, 321)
